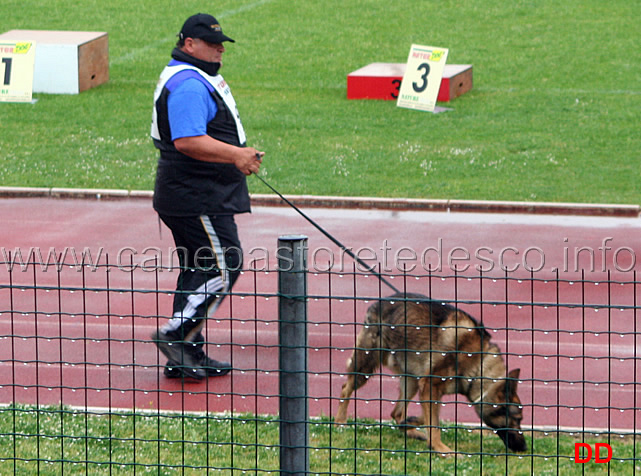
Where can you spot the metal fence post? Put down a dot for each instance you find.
(292, 354)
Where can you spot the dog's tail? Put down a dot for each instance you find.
(393, 310)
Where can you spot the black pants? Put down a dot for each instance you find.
(210, 258)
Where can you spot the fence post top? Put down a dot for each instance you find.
(292, 238)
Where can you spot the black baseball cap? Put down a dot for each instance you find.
(204, 27)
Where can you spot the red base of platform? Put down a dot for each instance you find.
(383, 81)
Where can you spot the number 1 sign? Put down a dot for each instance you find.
(422, 79)
(17, 59)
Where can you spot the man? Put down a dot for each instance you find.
(200, 186)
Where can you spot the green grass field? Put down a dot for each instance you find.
(553, 115)
(62, 441)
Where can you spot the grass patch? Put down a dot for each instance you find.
(57, 440)
(553, 114)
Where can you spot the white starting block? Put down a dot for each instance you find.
(383, 81)
(67, 62)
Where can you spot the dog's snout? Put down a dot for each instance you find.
(514, 440)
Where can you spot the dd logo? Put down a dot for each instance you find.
(597, 455)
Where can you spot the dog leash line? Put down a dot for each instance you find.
(329, 236)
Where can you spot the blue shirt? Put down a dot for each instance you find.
(190, 106)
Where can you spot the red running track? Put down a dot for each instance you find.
(80, 336)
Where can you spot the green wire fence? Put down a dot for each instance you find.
(82, 389)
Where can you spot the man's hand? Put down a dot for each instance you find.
(249, 160)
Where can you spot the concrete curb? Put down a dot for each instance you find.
(367, 203)
(83, 193)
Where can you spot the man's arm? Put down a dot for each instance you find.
(208, 149)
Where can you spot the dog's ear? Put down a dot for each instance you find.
(513, 380)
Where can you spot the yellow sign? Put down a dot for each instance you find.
(17, 59)
(422, 79)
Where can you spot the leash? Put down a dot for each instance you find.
(331, 238)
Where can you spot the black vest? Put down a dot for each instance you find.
(190, 187)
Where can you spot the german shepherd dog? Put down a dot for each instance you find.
(436, 349)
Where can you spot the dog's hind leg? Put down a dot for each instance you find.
(360, 366)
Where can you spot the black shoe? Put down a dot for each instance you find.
(213, 368)
(186, 364)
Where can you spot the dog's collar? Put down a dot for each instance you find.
(481, 397)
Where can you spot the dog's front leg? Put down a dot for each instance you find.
(430, 395)
(408, 387)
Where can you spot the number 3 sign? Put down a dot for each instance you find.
(17, 59)
(422, 79)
